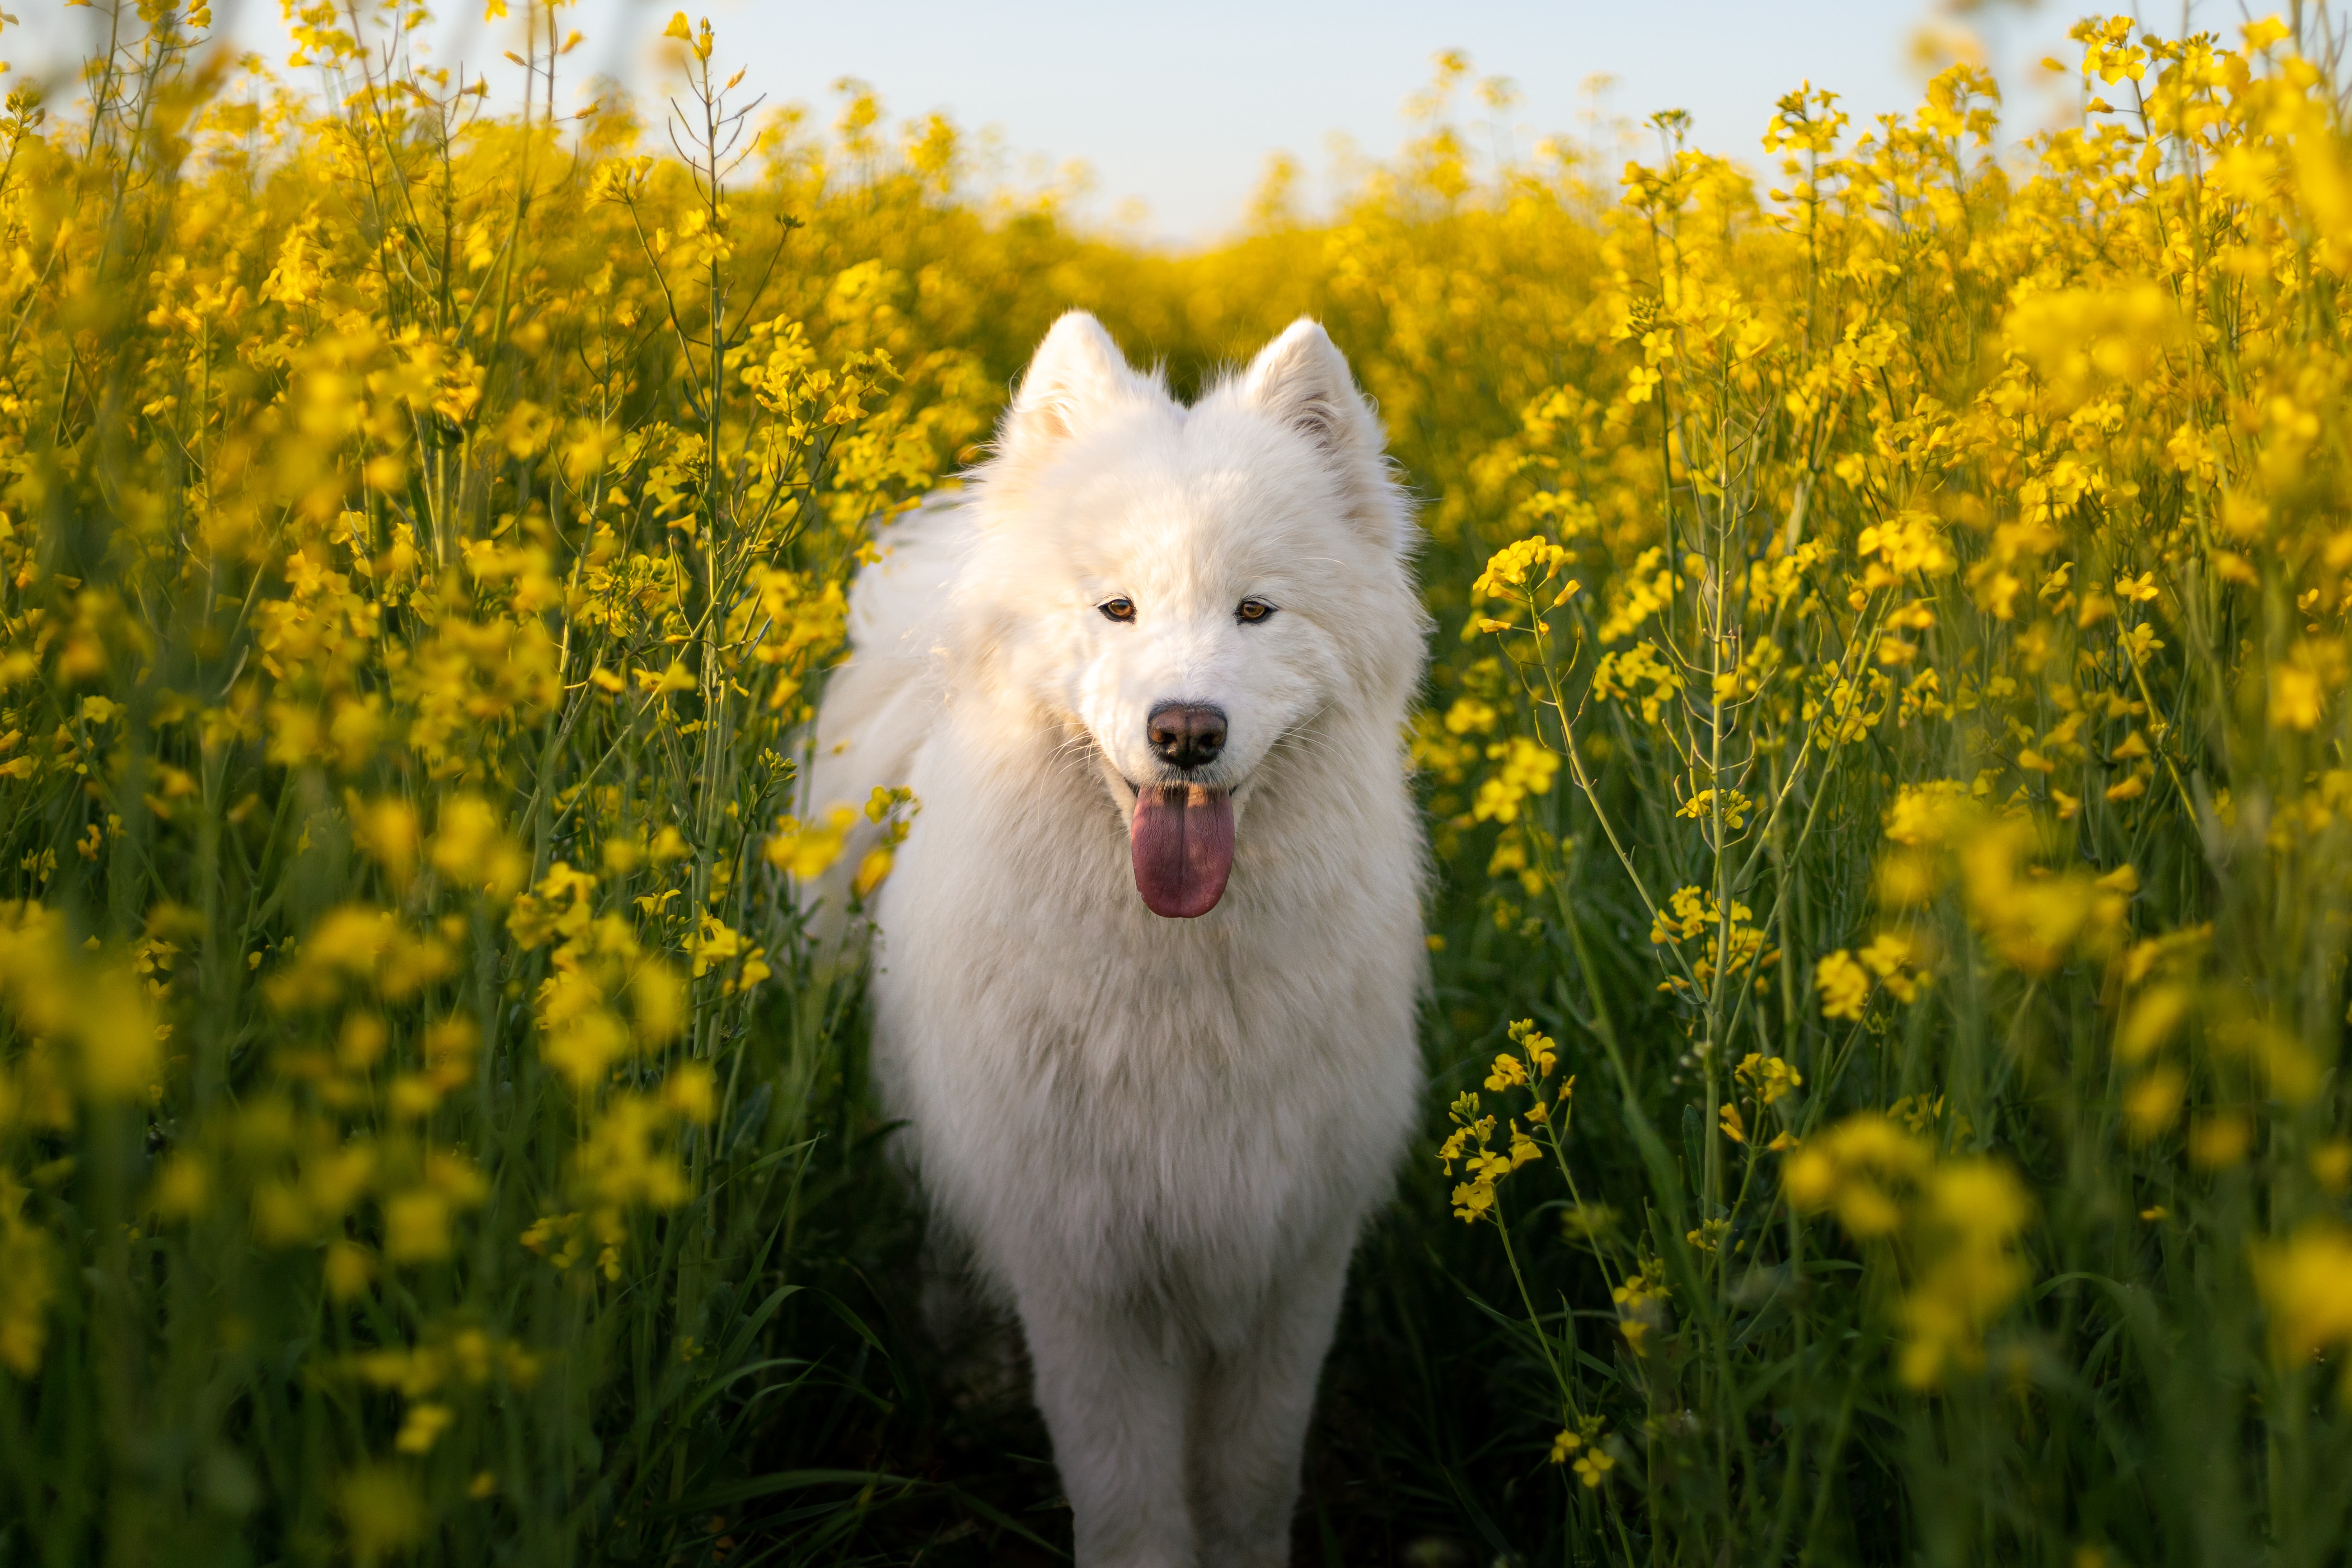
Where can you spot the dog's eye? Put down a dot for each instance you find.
(1251, 610)
(1121, 609)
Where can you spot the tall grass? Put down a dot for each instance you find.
(1884, 757)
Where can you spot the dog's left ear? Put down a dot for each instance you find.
(1301, 380)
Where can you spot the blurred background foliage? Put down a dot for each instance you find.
(1885, 752)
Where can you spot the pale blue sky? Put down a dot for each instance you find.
(1175, 108)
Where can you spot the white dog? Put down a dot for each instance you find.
(1148, 959)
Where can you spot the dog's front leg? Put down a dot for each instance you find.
(1251, 1404)
(1112, 1389)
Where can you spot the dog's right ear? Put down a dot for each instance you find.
(1077, 373)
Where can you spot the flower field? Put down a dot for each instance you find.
(1885, 753)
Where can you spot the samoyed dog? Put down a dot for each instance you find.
(1148, 962)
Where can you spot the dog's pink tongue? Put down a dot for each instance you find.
(1183, 844)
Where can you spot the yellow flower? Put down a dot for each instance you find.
(713, 942)
(2306, 1289)
(1734, 809)
(1844, 986)
(1768, 1078)
(348, 1270)
(1542, 1054)
(2031, 919)
(1929, 813)
(692, 1092)
(1894, 958)
(1511, 566)
(1641, 1303)
(2297, 699)
(623, 1161)
(1527, 768)
(1976, 1209)
(871, 871)
(422, 1429)
(1507, 1072)
(1473, 1200)
(558, 906)
(472, 850)
(416, 1226)
(807, 851)
(1863, 1166)
(1689, 913)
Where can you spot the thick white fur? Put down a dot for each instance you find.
(1158, 1138)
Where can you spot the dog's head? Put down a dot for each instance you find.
(1188, 589)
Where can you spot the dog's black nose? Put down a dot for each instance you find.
(1189, 734)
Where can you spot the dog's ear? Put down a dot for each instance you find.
(1076, 374)
(1301, 380)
